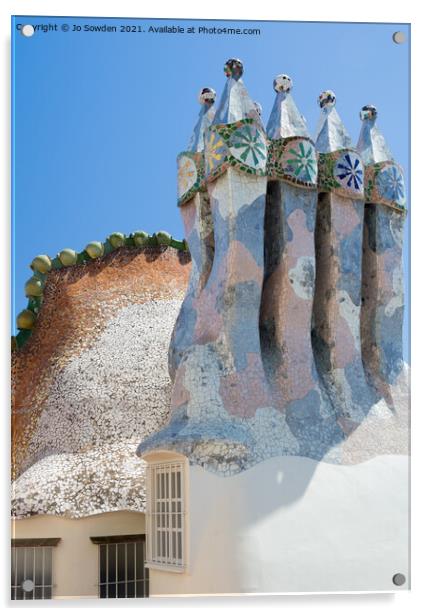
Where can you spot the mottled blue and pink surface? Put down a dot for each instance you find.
(289, 340)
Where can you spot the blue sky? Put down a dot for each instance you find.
(99, 118)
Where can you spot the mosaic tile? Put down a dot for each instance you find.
(304, 391)
(384, 183)
(294, 160)
(261, 347)
(382, 289)
(241, 145)
(341, 172)
(190, 175)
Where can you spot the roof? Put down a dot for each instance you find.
(93, 379)
(42, 265)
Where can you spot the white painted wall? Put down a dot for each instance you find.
(291, 524)
(75, 558)
(285, 525)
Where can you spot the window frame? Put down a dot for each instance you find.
(155, 558)
(36, 546)
(126, 540)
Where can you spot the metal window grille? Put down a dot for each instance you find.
(122, 571)
(31, 573)
(166, 514)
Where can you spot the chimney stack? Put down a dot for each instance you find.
(382, 288)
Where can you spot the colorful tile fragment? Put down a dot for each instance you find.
(216, 152)
(294, 160)
(247, 144)
(349, 172)
(384, 184)
(390, 184)
(241, 144)
(341, 172)
(190, 175)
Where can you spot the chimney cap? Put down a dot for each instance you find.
(331, 134)
(368, 112)
(233, 68)
(282, 83)
(327, 99)
(207, 96)
(371, 144)
(235, 103)
(285, 120)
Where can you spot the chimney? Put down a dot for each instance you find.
(338, 241)
(288, 292)
(194, 204)
(382, 288)
(266, 355)
(222, 417)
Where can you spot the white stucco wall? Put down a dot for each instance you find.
(75, 558)
(290, 524)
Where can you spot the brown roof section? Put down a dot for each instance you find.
(77, 303)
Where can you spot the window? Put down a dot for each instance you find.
(31, 568)
(166, 515)
(122, 571)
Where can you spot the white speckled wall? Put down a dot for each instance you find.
(100, 404)
(92, 380)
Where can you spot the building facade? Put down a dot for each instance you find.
(240, 421)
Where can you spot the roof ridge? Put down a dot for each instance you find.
(43, 264)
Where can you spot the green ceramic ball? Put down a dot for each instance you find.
(117, 239)
(26, 319)
(42, 264)
(163, 238)
(95, 249)
(140, 238)
(33, 287)
(68, 256)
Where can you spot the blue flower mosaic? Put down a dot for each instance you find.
(248, 145)
(390, 184)
(349, 171)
